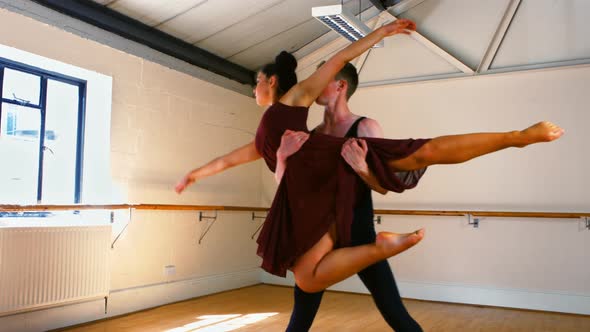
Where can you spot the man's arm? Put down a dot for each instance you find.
(241, 155)
(291, 142)
(354, 151)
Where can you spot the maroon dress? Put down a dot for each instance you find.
(318, 188)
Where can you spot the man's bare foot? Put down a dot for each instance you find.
(544, 131)
(393, 243)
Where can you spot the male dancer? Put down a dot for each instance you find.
(378, 278)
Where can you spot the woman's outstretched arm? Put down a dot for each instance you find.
(239, 156)
(305, 92)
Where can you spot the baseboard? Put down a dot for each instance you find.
(126, 301)
(544, 300)
(135, 299)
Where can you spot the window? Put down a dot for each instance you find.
(42, 116)
(59, 115)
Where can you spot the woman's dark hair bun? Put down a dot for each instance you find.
(284, 68)
(286, 61)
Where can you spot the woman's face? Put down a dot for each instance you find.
(263, 89)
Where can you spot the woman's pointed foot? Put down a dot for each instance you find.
(544, 131)
(392, 243)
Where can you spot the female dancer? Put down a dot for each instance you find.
(312, 209)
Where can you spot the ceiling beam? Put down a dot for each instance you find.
(360, 61)
(496, 41)
(567, 64)
(378, 4)
(117, 23)
(403, 6)
(440, 52)
(513, 70)
(385, 4)
(416, 79)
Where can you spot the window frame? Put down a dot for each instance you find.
(41, 105)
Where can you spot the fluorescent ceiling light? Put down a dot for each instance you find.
(343, 22)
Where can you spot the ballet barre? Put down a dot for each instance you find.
(169, 207)
(175, 207)
(473, 217)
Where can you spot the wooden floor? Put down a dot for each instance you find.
(267, 308)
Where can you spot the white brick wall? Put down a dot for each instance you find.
(163, 123)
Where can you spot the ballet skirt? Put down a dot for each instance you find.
(318, 188)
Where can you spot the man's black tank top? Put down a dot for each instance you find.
(363, 229)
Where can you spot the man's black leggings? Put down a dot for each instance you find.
(378, 278)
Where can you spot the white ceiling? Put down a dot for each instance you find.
(454, 38)
(547, 31)
(246, 32)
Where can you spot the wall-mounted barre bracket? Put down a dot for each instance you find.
(209, 224)
(124, 228)
(201, 216)
(254, 217)
(257, 230)
(472, 220)
(377, 220)
(586, 222)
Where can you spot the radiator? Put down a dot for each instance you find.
(48, 266)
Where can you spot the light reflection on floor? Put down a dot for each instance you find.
(222, 323)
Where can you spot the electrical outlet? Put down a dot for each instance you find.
(169, 270)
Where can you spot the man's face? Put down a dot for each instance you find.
(329, 94)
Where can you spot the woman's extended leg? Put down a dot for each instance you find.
(456, 149)
(322, 266)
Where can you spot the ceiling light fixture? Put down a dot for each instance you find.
(337, 18)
